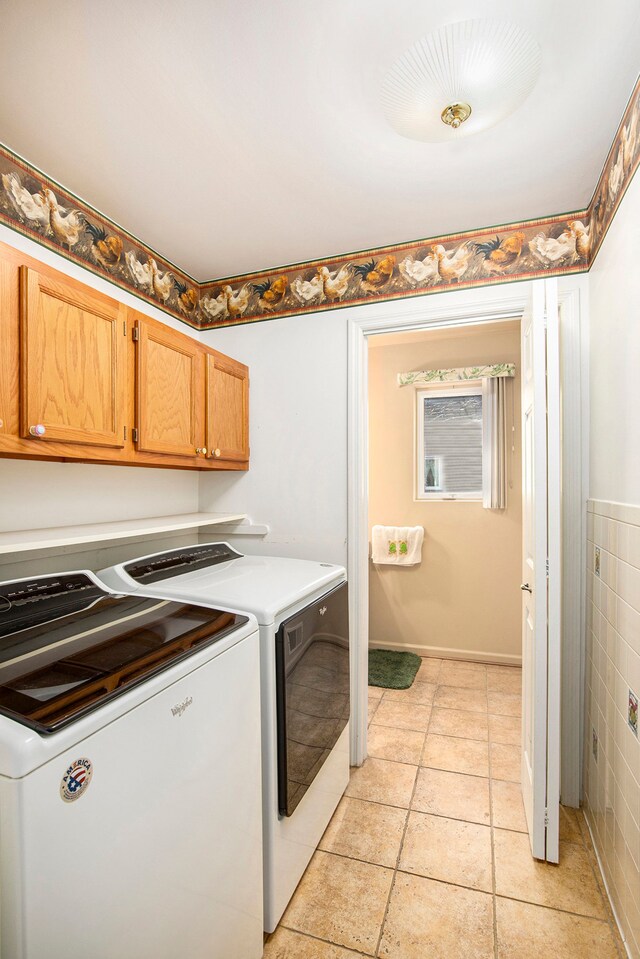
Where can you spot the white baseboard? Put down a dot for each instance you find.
(444, 652)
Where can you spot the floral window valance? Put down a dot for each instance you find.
(456, 375)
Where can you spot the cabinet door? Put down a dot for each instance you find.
(72, 362)
(227, 408)
(169, 391)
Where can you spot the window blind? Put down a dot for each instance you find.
(453, 444)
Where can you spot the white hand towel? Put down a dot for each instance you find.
(409, 545)
(383, 545)
(396, 545)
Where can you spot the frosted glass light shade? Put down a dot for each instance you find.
(492, 65)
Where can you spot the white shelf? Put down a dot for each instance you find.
(244, 529)
(20, 541)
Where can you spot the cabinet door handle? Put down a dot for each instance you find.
(201, 450)
(216, 452)
(526, 588)
(37, 430)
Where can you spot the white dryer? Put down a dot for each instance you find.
(130, 811)
(302, 610)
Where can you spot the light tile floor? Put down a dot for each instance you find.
(427, 855)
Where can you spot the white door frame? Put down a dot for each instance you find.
(463, 308)
(573, 297)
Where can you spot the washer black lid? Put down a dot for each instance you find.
(67, 646)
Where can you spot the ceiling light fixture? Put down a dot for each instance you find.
(482, 67)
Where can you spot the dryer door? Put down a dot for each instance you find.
(312, 688)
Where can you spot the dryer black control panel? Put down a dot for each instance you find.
(175, 562)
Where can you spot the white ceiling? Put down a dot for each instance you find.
(237, 136)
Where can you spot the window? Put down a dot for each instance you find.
(449, 425)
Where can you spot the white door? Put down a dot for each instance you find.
(541, 569)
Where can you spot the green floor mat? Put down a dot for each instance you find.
(392, 670)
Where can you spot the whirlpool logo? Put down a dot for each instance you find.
(180, 708)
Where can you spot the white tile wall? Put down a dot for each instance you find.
(612, 781)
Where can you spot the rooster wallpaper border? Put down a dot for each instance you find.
(462, 260)
(39, 208)
(618, 171)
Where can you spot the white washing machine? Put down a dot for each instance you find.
(130, 810)
(302, 609)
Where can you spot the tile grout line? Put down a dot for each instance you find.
(328, 942)
(599, 877)
(436, 815)
(420, 766)
(493, 884)
(472, 739)
(558, 909)
(449, 882)
(493, 852)
(583, 831)
(404, 831)
(395, 870)
(353, 858)
(460, 709)
(581, 842)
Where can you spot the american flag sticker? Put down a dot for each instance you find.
(76, 780)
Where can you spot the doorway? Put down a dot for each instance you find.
(462, 600)
(467, 308)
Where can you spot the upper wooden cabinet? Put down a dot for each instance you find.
(227, 408)
(76, 385)
(190, 401)
(73, 373)
(169, 391)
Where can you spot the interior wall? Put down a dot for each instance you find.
(612, 767)
(297, 483)
(614, 295)
(463, 600)
(36, 494)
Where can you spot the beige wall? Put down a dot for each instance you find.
(463, 600)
